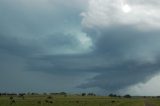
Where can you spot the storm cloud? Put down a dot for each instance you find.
(44, 45)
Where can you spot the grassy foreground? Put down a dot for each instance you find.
(76, 101)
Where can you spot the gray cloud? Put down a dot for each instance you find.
(46, 43)
(121, 57)
(131, 57)
(124, 75)
(30, 29)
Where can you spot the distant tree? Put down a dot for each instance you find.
(44, 93)
(127, 96)
(34, 93)
(112, 95)
(53, 93)
(119, 96)
(153, 97)
(63, 93)
(83, 94)
(158, 96)
(21, 94)
(91, 94)
(3, 94)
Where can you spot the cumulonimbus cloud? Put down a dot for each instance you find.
(48, 38)
(139, 13)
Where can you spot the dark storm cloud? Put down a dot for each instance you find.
(121, 57)
(36, 42)
(28, 30)
(126, 40)
(132, 57)
(126, 74)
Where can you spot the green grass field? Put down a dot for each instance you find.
(76, 101)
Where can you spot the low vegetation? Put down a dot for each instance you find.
(76, 100)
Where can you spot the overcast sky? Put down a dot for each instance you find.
(101, 46)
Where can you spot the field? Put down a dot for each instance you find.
(76, 101)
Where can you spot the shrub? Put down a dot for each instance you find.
(49, 97)
(83, 94)
(11, 98)
(127, 96)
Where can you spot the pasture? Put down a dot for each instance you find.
(42, 100)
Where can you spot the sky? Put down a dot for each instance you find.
(100, 46)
